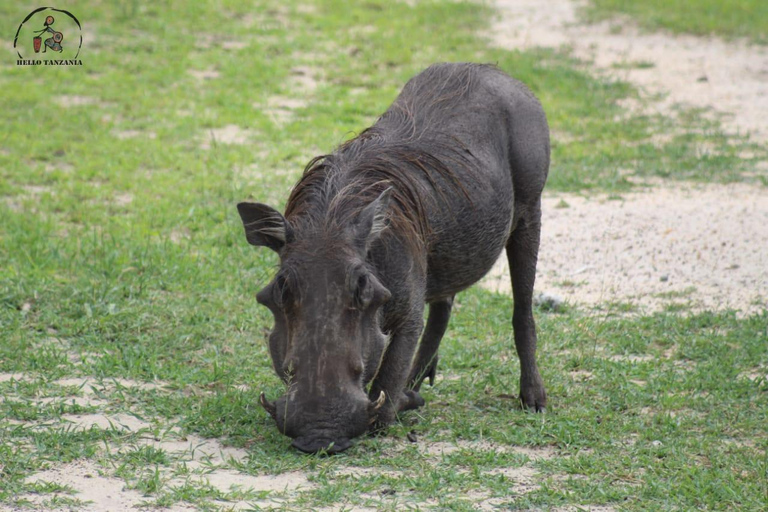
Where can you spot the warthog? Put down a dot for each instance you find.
(413, 210)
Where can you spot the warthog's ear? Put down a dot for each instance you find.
(373, 219)
(264, 225)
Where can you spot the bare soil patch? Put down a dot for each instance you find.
(100, 492)
(281, 108)
(105, 422)
(672, 247)
(75, 100)
(438, 449)
(205, 462)
(132, 134)
(83, 477)
(229, 480)
(229, 134)
(729, 77)
(305, 78)
(699, 246)
(585, 508)
(204, 74)
(198, 451)
(91, 385)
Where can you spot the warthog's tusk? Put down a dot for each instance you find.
(379, 401)
(268, 406)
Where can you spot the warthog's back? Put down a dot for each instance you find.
(491, 134)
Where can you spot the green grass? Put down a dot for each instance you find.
(123, 257)
(728, 18)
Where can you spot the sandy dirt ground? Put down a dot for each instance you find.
(730, 77)
(207, 462)
(702, 246)
(676, 244)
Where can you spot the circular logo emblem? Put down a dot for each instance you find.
(41, 35)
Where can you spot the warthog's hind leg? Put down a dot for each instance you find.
(522, 252)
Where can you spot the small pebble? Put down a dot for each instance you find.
(656, 443)
(664, 278)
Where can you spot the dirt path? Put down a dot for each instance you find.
(730, 77)
(683, 245)
(676, 245)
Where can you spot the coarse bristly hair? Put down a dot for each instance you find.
(404, 150)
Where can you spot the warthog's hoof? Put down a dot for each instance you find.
(534, 402)
(412, 400)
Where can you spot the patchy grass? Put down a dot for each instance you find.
(124, 265)
(729, 18)
(637, 64)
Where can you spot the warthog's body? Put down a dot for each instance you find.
(413, 210)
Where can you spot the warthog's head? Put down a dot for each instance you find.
(327, 342)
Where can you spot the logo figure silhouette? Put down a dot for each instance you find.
(54, 42)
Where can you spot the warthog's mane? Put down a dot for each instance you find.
(405, 150)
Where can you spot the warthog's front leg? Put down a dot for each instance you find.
(425, 364)
(393, 373)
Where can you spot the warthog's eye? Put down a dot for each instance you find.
(281, 291)
(363, 292)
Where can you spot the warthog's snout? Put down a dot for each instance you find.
(315, 444)
(328, 428)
